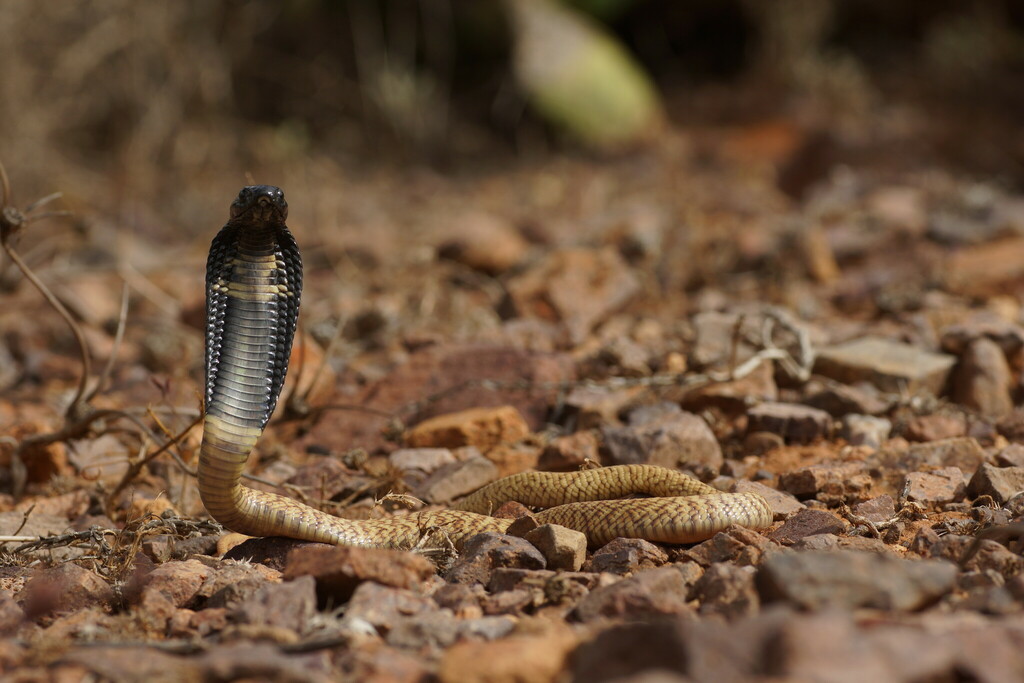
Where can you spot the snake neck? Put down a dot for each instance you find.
(253, 288)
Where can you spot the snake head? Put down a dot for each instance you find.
(260, 203)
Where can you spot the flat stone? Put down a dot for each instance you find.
(793, 422)
(668, 438)
(457, 479)
(839, 400)
(808, 523)
(592, 407)
(289, 605)
(833, 479)
(849, 580)
(177, 581)
(11, 614)
(876, 510)
(339, 570)
(569, 453)
(578, 287)
(420, 462)
(734, 395)
(963, 452)
(1011, 456)
(889, 365)
(517, 659)
(562, 548)
(233, 582)
(983, 379)
(782, 503)
(935, 427)
(484, 242)
(737, 545)
(626, 556)
(865, 430)
(624, 651)
(1002, 483)
(483, 428)
(483, 553)
(727, 590)
(937, 487)
(646, 594)
(64, 588)
(384, 607)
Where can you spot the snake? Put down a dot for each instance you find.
(253, 291)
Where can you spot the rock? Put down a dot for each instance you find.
(850, 580)
(655, 645)
(737, 545)
(783, 504)
(983, 379)
(483, 428)
(985, 325)
(64, 588)
(290, 605)
(646, 594)
(793, 422)
(963, 452)
(936, 487)
(876, 510)
(592, 407)
(667, 437)
(513, 458)
(562, 548)
(1011, 456)
(578, 287)
(233, 582)
(422, 460)
(735, 395)
(865, 430)
(178, 582)
(1002, 483)
(483, 553)
(271, 551)
(839, 400)
(832, 480)
(626, 556)
(517, 659)
(324, 478)
(385, 606)
(339, 570)
(727, 590)
(569, 453)
(808, 523)
(979, 269)
(484, 242)
(457, 479)
(889, 365)
(935, 427)
(833, 542)
(11, 615)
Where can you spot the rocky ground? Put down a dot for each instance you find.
(849, 346)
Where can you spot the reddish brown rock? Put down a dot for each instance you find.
(983, 379)
(793, 422)
(626, 556)
(727, 590)
(808, 523)
(483, 428)
(889, 365)
(937, 487)
(385, 606)
(759, 385)
(569, 453)
(737, 545)
(833, 480)
(876, 510)
(1002, 483)
(271, 551)
(964, 452)
(649, 593)
(848, 579)
(457, 479)
(290, 605)
(177, 582)
(577, 287)
(865, 430)
(11, 614)
(664, 435)
(339, 570)
(483, 553)
(935, 427)
(484, 242)
(518, 659)
(233, 582)
(562, 548)
(64, 588)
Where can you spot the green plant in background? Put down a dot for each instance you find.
(579, 77)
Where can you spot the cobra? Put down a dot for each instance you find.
(253, 287)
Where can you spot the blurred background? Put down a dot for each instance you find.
(435, 151)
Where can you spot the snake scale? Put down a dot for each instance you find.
(253, 286)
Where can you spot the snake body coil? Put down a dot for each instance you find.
(253, 286)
